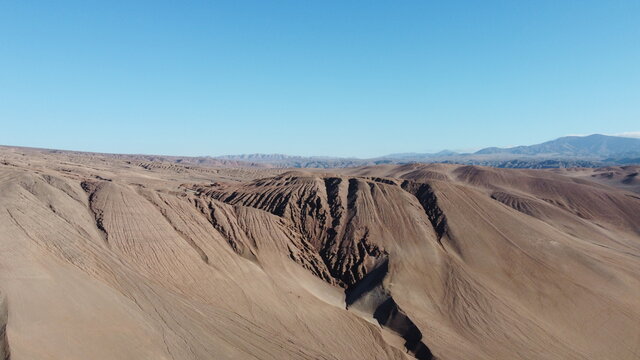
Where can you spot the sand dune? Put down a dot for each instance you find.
(108, 257)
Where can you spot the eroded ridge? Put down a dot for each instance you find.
(91, 188)
(331, 210)
(427, 198)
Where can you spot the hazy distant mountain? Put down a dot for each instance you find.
(569, 151)
(592, 146)
(264, 157)
(414, 155)
(289, 161)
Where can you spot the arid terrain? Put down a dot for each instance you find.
(136, 257)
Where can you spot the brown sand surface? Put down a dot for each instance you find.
(134, 257)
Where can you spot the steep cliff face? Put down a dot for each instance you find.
(327, 212)
(350, 223)
(472, 256)
(391, 262)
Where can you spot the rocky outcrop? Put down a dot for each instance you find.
(427, 198)
(91, 187)
(324, 211)
(329, 213)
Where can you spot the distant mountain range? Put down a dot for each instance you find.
(569, 151)
(597, 146)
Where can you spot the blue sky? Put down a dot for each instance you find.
(340, 78)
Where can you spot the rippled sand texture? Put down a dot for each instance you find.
(125, 257)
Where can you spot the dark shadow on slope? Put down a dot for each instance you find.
(5, 354)
(427, 198)
(91, 188)
(387, 312)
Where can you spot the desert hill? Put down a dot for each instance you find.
(113, 257)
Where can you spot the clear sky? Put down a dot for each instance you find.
(345, 78)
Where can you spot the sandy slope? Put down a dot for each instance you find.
(107, 257)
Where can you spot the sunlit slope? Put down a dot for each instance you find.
(117, 262)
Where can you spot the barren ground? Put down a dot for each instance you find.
(131, 257)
